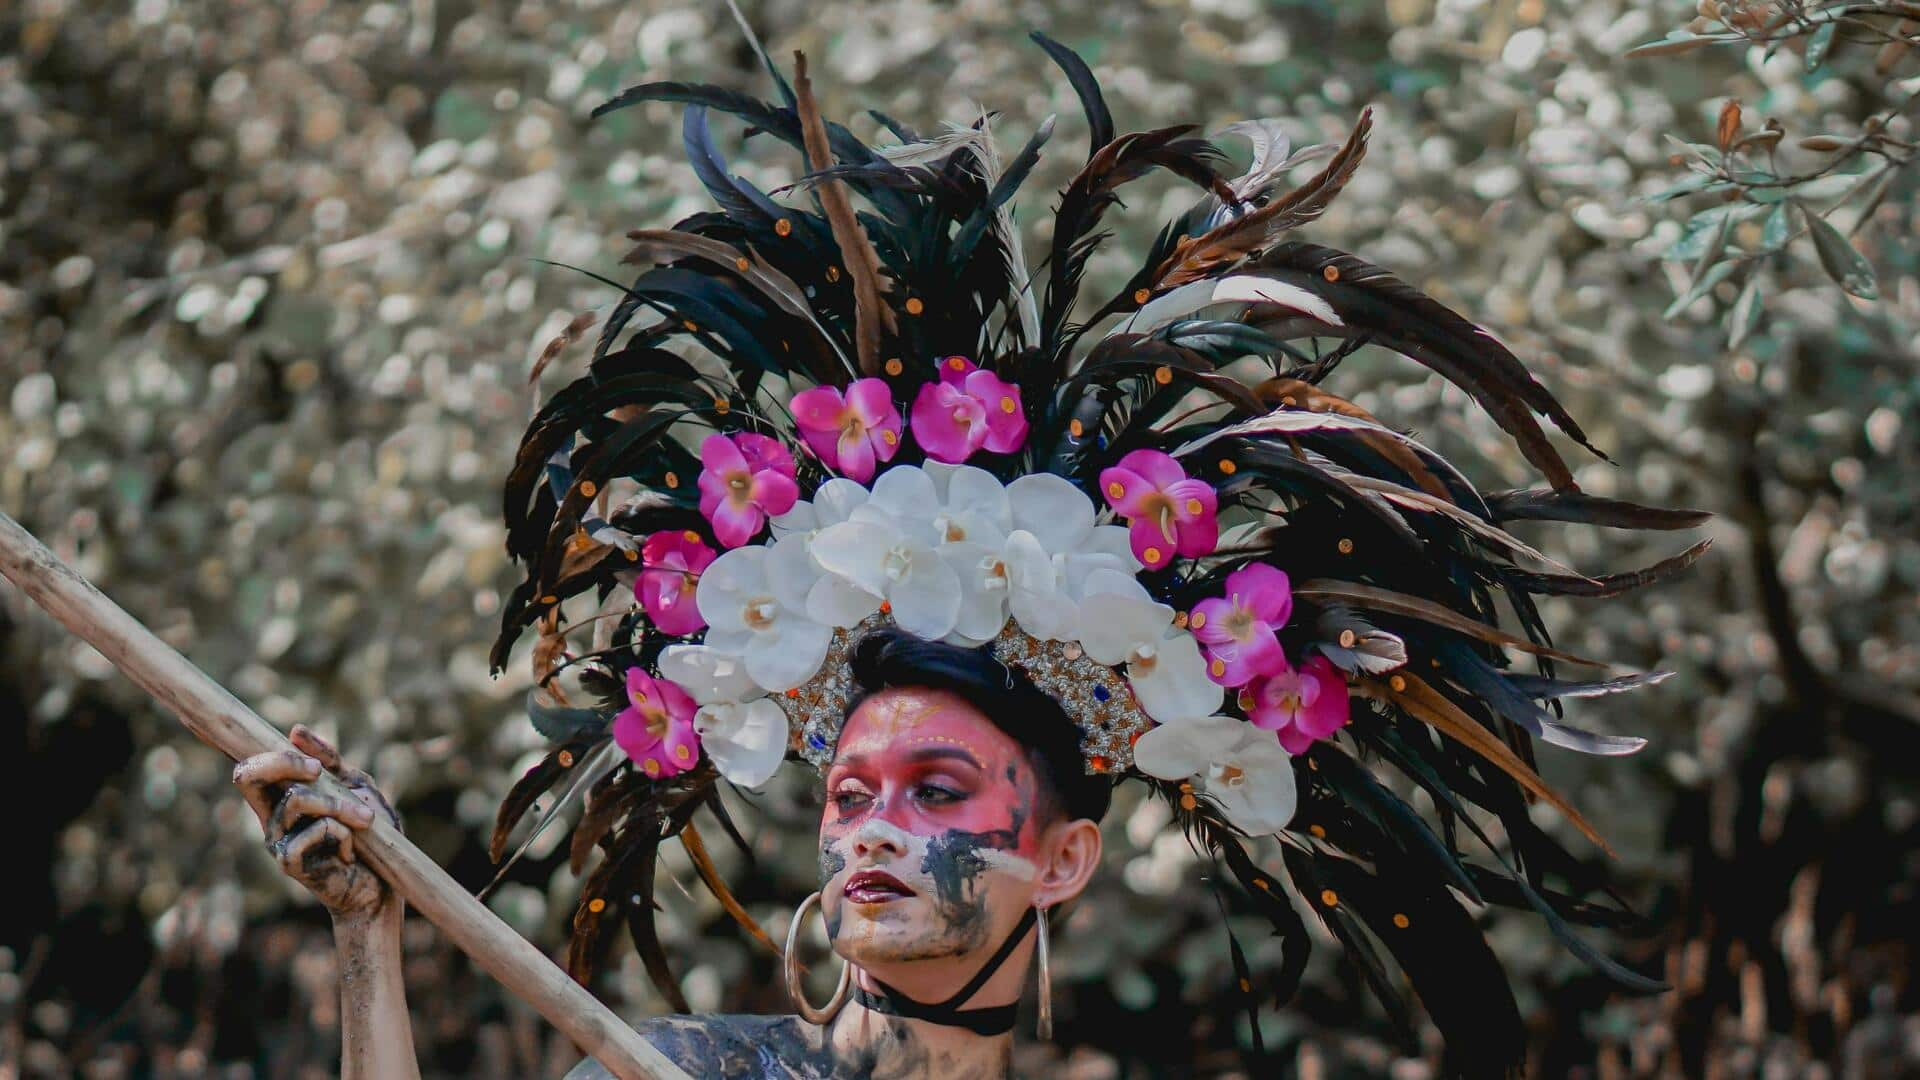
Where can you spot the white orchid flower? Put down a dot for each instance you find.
(833, 503)
(894, 562)
(905, 498)
(742, 730)
(974, 507)
(984, 590)
(1121, 624)
(1237, 765)
(746, 617)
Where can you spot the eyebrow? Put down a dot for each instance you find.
(924, 754)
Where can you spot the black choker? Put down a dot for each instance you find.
(994, 1020)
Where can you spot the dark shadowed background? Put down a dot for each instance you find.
(268, 302)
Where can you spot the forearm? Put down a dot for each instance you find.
(376, 1036)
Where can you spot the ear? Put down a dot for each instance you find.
(1072, 853)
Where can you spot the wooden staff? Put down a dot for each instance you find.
(221, 721)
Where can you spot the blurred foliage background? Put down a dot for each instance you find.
(269, 299)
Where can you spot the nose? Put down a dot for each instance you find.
(878, 836)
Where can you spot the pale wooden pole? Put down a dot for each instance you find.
(221, 721)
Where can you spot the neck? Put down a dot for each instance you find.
(897, 1046)
(885, 1047)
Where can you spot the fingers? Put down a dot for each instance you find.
(258, 775)
(304, 738)
(302, 854)
(302, 802)
(357, 779)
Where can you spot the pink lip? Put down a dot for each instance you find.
(875, 887)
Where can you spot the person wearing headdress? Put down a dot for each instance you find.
(867, 489)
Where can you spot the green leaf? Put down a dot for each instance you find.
(1703, 229)
(1692, 183)
(1842, 262)
(1699, 288)
(1778, 229)
(1678, 41)
(1745, 314)
(1819, 43)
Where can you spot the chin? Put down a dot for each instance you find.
(896, 932)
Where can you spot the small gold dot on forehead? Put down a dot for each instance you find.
(895, 367)
(1401, 920)
(596, 905)
(1140, 295)
(783, 227)
(1345, 545)
(1330, 898)
(565, 758)
(915, 305)
(1331, 273)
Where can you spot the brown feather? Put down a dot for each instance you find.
(1300, 394)
(1194, 258)
(1424, 703)
(1413, 607)
(703, 863)
(870, 310)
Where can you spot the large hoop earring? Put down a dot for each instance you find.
(790, 965)
(1044, 1027)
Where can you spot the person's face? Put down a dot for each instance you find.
(928, 844)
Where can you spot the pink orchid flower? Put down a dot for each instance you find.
(851, 432)
(1302, 704)
(1170, 514)
(670, 570)
(656, 727)
(966, 410)
(1239, 629)
(745, 479)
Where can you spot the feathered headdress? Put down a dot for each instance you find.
(861, 406)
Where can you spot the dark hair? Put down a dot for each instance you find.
(894, 658)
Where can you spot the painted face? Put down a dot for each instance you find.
(928, 845)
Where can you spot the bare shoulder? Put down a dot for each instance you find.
(743, 1047)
